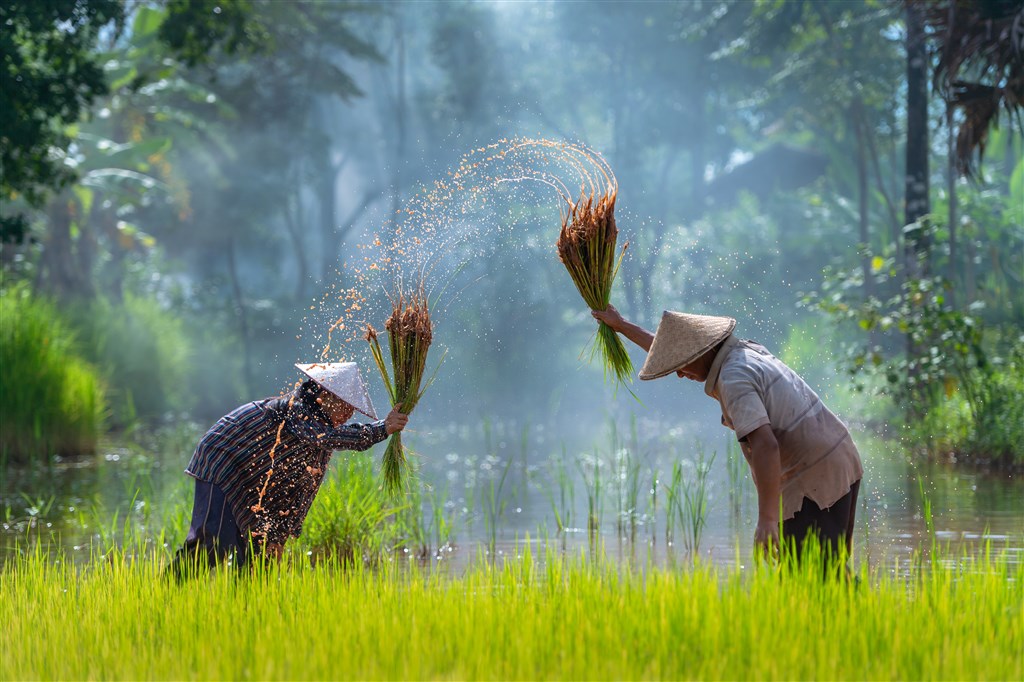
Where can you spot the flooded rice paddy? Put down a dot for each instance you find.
(490, 490)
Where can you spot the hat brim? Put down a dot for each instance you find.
(682, 338)
(342, 380)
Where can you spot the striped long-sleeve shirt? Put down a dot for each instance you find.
(269, 457)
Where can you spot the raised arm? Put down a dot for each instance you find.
(638, 335)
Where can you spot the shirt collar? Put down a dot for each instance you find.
(716, 366)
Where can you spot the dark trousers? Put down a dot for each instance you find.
(832, 527)
(213, 536)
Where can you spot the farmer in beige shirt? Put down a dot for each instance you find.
(798, 451)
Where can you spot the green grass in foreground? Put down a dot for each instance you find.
(556, 619)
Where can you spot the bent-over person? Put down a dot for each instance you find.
(804, 464)
(258, 469)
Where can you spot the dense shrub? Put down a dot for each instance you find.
(957, 379)
(144, 353)
(999, 409)
(352, 518)
(51, 400)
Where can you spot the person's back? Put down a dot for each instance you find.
(818, 457)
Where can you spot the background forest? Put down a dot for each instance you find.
(183, 180)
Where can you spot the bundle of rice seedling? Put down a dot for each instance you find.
(409, 335)
(586, 246)
(587, 240)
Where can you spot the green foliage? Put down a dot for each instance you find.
(996, 399)
(215, 371)
(51, 400)
(144, 352)
(352, 519)
(50, 75)
(956, 377)
(194, 28)
(803, 352)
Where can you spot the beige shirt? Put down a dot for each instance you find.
(754, 388)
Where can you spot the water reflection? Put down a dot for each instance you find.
(502, 487)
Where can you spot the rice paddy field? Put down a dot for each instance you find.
(530, 569)
(527, 617)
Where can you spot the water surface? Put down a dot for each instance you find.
(501, 485)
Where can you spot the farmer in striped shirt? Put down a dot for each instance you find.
(259, 467)
(802, 458)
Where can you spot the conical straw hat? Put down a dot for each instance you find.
(343, 380)
(682, 338)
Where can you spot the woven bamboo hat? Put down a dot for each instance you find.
(680, 339)
(343, 380)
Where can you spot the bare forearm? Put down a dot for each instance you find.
(766, 467)
(636, 334)
(767, 473)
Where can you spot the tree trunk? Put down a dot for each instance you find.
(890, 205)
(916, 197)
(60, 268)
(293, 220)
(860, 132)
(333, 254)
(916, 239)
(951, 178)
(243, 318)
(327, 198)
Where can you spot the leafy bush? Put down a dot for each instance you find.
(957, 378)
(999, 408)
(51, 400)
(352, 518)
(144, 353)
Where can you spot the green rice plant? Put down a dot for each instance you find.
(412, 519)
(592, 482)
(530, 617)
(524, 465)
(654, 476)
(426, 536)
(929, 521)
(627, 483)
(352, 520)
(495, 503)
(469, 492)
(674, 513)
(38, 507)
(562, 500)
(734, 462)
(695, 501)
(442, 523)
(52, 400)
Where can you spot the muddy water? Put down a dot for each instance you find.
(84, 504)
